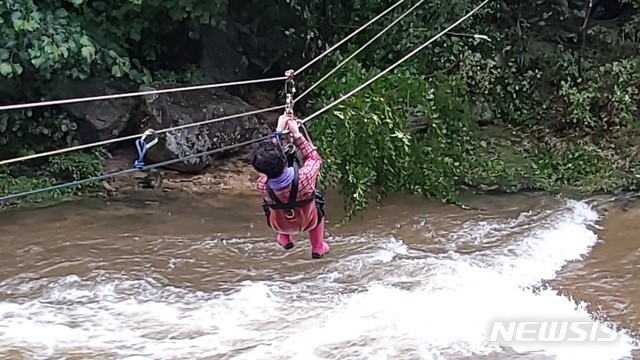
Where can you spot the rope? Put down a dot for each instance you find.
(197, 87)
(129, 171)
(210, 121)
(350, 36)
(138, 93)
(360, 49)
(312, 116)
(382, 73)
(137, 136)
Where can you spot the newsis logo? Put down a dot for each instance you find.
(551, 331)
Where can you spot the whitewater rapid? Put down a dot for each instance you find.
(387, 300)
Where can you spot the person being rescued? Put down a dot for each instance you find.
(291, 203)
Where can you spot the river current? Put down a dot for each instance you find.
(167, 276)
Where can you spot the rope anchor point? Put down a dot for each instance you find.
(142, 145)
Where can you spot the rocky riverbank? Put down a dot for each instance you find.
(123, 117)
(233, 173)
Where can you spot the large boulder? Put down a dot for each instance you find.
(162, 111)
(97, 120)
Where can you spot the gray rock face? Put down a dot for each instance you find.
(97, 120)
(174, 109)
(108, 119)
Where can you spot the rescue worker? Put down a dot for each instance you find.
(291, 203)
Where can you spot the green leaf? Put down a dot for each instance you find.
(60, 12)
(17, 68)
(116, 71)
(30, 25)
(63, 51)
(37, 62)
(88, 52)
(16, 15)
(19, 25)
(148, 78)
(85, 41)
(6, 69)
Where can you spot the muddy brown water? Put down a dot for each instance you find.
(167, 276)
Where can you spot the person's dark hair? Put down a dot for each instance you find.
(269, 159)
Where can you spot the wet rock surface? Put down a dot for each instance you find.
(98, 120)
(168, 110)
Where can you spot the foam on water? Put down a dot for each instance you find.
(386, 302)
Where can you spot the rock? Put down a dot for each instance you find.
(223, 58)
(482, 111)
(97, 120)
(167, 110)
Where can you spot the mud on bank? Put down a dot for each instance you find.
(233, 173)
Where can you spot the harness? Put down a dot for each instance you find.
(292, 203)
(293, 207)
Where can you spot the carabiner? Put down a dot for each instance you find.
(143, 146)
(149, 132)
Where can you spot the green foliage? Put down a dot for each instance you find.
(404, 133)
(24, 132)
(42, 42)
(574, 166)
(424, 22)
(551, 73)
(17, 184)
(56, 169)
(77, 38)
(607, 100)
(76, 166)
(548, 76)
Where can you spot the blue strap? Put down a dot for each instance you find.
(141, 145)
(277, 134)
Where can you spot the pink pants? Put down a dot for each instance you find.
(316, 239)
